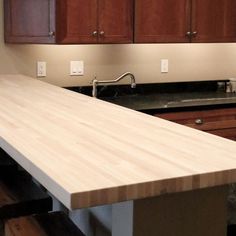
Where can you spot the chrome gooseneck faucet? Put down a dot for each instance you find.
(97, 82)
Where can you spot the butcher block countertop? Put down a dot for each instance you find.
(88, 152)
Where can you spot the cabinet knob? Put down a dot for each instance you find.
(191, 34)
(188, 33)
(198, 121)
(102, 33)
(51, 33)
(95, 33)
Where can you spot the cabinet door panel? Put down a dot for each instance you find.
(225, 133)
(29, 21)
(214, 21)
(162, 21)
(116, 21)
(221, 122)
(77, 21)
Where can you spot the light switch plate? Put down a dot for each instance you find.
(41, 69)
(164, 66)
(76, 68)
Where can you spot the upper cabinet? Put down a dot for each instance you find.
(160, 21)
(29, 21)
(77, 21)
(115, 21)
(173, 21)
(214, 20)
(69, 21)
(119, 21)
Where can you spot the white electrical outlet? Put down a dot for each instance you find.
(41, 69)
(76, 68)
(164, 66)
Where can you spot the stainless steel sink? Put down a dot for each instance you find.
(205, 99)
(200, 101)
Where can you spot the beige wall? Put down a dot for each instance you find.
(187, 61)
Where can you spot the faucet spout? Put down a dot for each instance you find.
(97, 82)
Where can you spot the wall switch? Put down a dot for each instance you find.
(164, 66)
(76, 68)
(41, 69)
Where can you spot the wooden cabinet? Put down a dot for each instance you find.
(112, 21)
(115, 22)
(162, 21)
(221, 122)
(29, 21)
(69, 21)
(76, 21)
(97, 21)
(214, 21)
(167, 21)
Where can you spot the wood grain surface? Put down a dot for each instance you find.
(48, 224)
(88, 152)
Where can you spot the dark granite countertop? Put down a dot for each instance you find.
(149, 97)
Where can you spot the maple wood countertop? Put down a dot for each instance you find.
(88, 152)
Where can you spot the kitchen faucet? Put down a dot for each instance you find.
(97, 82)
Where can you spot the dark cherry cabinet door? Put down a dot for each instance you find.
(221, 122)
(162, 21)
(29, 21)
(115, 19)
(94, 21)
(77, 21)
(214, 20)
